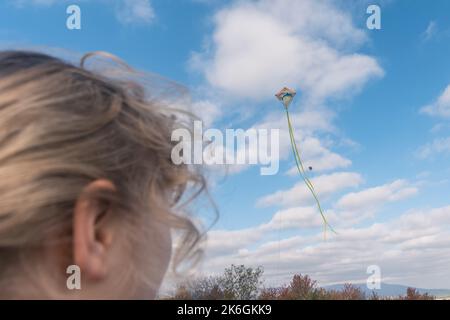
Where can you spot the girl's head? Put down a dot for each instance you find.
(86, 179)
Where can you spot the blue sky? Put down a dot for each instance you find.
(372, 116)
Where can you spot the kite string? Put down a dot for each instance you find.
(297, 155)
(302, 172)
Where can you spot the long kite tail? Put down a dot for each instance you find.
(301, 170)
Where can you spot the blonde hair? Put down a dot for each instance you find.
(62, 127)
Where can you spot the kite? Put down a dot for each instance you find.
(286, 96)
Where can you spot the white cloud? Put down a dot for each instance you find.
(430, 31)
(412, 249)
(326, 161)
(441, 107)
(207, 111)
(373, 197)
(259, 46)
(219, 240)
(300, 194)
(318, 157)
(438, 146)
(306, 124)
(315, 152)
(135, 12)
(426, 219)
(127, 11)
(223, 242)
(294, 218)
(22, 3)
(352, 208)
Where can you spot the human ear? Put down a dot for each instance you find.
(91, 238)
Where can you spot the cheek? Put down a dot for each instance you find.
(164, 248)
(158, 253)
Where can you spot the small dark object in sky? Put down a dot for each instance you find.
(310, 168)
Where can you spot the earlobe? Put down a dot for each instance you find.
(91, 239)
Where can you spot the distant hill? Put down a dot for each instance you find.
(393, 290)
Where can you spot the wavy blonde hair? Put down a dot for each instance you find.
(62, 127)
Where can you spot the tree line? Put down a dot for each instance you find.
(239, 282)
